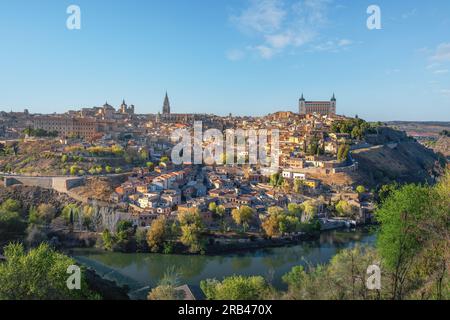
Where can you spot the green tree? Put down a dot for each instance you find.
(43, 214)
(309, 210)
(400, 238)
(343, 208)
(191, 230)
(11, 225)
(212, 207)
(108, 240)
(298, 184)
(10, 205)
(164, 159)
(360, 189)
(236, 288)
(386, 190)
(40, 274)
(295, 209)
(166, 289)
(343, 152)
(73, 170)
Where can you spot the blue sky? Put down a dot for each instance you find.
(221, 56)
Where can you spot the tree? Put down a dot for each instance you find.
(295, 209)
(343, 278)
(309, 210)
(274, 179)
(286, 186)
(71, 213)
(141, 239)
(343, 208)
(35, 236)
(10, 205)
(46, 212)
(11, 225)
(386, 190)
(212, 207)
(427, 275)
(108, 169)
(243, 216)
(166, 289)
(165, 292)
(73, 170)
(360, 189)
(236, 288)
(191, 230)
(117, 150)
(108, 239)
(357, 133)
(278, 221)
(124, 235)
(40, 274)
(143, 155)
(271, 225)
(400, 238)
(164, 159)
(157, 234)
(298, 185)
(343, 152)
(220, 211)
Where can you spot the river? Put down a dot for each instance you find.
(141, 271)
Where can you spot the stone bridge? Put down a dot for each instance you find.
(60, 184)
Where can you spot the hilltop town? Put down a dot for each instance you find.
(116, 167)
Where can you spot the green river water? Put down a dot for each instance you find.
(141, 271)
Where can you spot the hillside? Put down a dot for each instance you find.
(394, 156)
(50, 157)
(420, 129)
(442, 146)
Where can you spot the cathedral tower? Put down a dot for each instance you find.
(166, 105)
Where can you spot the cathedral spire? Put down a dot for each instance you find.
(166, 105)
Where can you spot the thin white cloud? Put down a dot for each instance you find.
(265, 51)
(441, 71)
(332, 45)
(344, 42)
(432, 66)
(442, 52)
(262, 16)
(445, 92)
(276, 25)
(235, 54)
(392, 71)
(409, 14)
